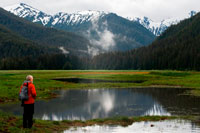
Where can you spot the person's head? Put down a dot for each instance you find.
(29, 78)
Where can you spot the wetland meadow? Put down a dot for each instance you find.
(104, 101)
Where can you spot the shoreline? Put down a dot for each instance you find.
(10, 123)
(10, 81)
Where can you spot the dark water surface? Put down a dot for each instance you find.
(100, 103)
(80, 80)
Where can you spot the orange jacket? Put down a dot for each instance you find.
(31, 93)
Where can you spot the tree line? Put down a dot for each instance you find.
(178, 48)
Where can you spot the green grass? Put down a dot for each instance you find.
(10, 81)
(10, 123)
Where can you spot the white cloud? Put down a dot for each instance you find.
(104, 38)
(155, 9)
(64, 51)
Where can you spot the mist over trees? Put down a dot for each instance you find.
(25, 45)
(178, 48)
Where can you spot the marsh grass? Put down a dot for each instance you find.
(11, 124)
(10, 81)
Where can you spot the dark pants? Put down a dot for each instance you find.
(28, 115)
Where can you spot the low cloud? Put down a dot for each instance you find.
(64, 51)
(100, 37)
(93, 51)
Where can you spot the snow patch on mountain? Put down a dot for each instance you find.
(158, 28)
(76, 18)
(155, 27)
(26, 11)
(18, 9)
(30, 13)
(35, 15)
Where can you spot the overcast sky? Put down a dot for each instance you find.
(157, 10)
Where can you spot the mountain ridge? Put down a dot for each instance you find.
(26, 45)
(100, 28)
(177, 48)
(157, 28)
(42, 35)
(30, 12)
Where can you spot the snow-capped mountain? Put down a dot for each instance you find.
(158, 28)
(34, 15)
(30, 13)
(75, 19)
(105, 31)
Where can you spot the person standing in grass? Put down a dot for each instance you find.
(28, 104)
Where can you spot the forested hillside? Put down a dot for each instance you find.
(43, 36)
(105, 31)
(20, 48)
(19, 53)
(13, 45)
(24, 45)
(177, 48)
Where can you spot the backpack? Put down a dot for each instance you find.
(23, 95)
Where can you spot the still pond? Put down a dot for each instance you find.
(87, 104)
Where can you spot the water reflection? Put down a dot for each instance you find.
(95, 103)
(170, 126)
(158, 110)
(105, 101)
(101, 103)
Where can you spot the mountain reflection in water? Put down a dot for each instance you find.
(101, 103)
(97, 103)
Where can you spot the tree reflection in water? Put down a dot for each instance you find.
(101, 103)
